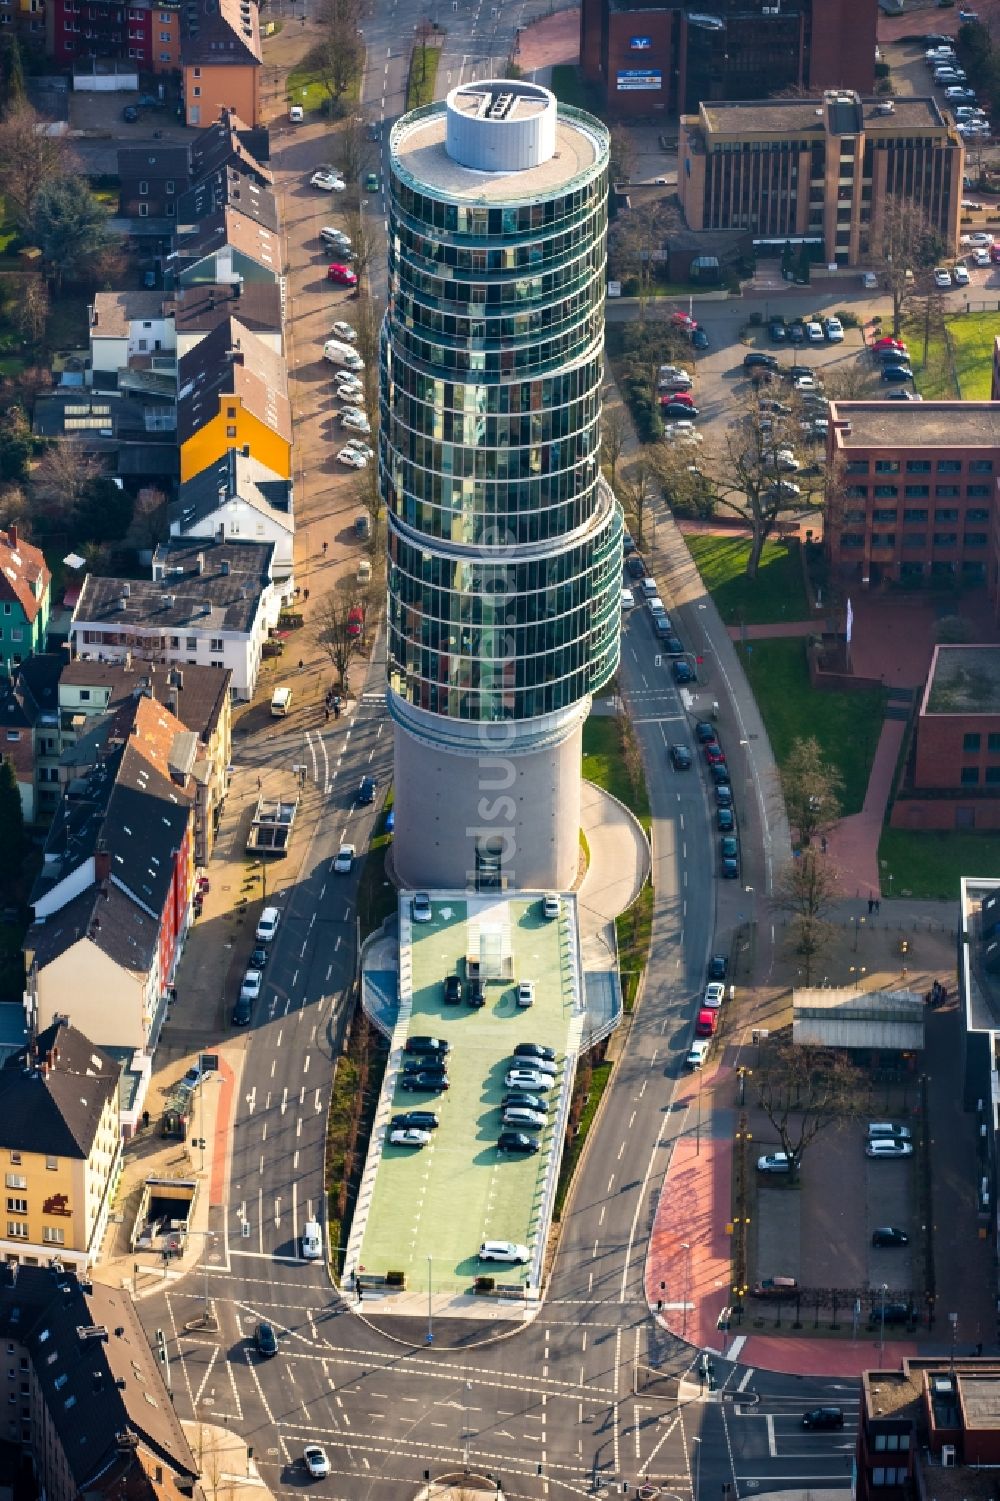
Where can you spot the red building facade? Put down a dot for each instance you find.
(138, 31)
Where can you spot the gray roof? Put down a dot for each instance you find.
(195, 694)
(963, 680)
(915, 424)
(213, 600)
(53, 1093)
(233, 361)
(846, 1017)
(202, 307)
(228, 188)
(113, 312)
(840, 112)
(237, 476)
(230, 141)
(155, 161)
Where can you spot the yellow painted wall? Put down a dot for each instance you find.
(210, 443)
(229, 87)
(102, 1000)
(42, 1184)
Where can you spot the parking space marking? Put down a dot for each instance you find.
(772, 1446)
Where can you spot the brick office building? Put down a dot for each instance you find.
(817, 171)
(952, 775)
(652, 58)
(912, 495)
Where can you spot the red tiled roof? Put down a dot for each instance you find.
(21, 568)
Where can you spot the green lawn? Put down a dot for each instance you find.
(303, 86)
(970, 336)
(847, 725)
(604, 765)
(423, 76)
(932, 864)
(776, 594)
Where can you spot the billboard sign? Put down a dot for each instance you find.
(640, 43)
(639, 78)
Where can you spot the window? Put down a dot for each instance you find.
(945, 539)
(143, 189)
(886, 466)
(215, 644)
(975, 539)
(857, 466)
(169, 185)
(917, 492)
(946, 513)
(17, 1230)
(949, 466)
(947, 492)
(231, 431)
(144, 211)
(885, 492)
(918, 466)
(980, 466)
(971, 742)
(978, 492)
(196, 91)
(15, 1157)
(52, 1235)
(970, 776)
(993, 774)
(914, 513)
(197, 72)
(993, 744)
(175, 642)
(191, 643)
(17, 1206)
(884, 513)
(52, 1163)
(15, 1180)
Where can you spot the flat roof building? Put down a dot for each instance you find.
(819, 171)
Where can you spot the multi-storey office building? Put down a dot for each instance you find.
(819, 171)
(505, 544)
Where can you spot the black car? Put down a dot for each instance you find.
(366, 792)
(635, 567)
(516, 1141)
(242, 1011)
(699, 339)
(717, 967)
(475, 993)
(682, 671)
(419, 1120)
(796, 332)
(422, 1044)
(518, 1099)
(425, 1065)
(777, 331)
(672, 410)
(452, 990)
(265, 1339)
(759, 358)
(891, 1313)
(258, 957)
(730, 869)
(628, 543)
(425, 1083)
(888, 1235)
(680, 757)
(796, 372)
(893, 357)
(823, 1417)
(535, 1050)
(720, 773)
(896, 372)
(673, 647)
(130, 114)
(723, 795)
(724, 820)
(704, 731)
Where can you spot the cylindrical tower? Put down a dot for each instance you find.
(505, 544)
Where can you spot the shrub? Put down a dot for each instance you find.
(395, 1279)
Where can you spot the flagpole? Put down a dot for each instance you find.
(849, 632)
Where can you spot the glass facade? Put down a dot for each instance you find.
(505, 545)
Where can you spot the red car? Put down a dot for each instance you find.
(714, 755)
(888, 343)
(355, 621)
(684, 397)
(684, 320)
(706, 1024)
(342, 275)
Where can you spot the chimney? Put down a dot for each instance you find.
(238, 288)
(224, 568)
(12, 534)
(178, 678)
(172, 702)
(102, 865)
(199, 563)
(211, 299)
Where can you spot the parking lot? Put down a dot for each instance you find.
(432, 1205)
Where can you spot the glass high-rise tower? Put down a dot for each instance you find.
(504, 541)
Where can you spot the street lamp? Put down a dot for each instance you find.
(696, 1476)
(430, 1325)
(685, 1246)
(881, 1332)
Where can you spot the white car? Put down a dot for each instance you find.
(699, 1052)
(551, 905)
(327, 181)
(880, 1148)
(316, 1461)
(351, 459)
(978, 237)
(357, 445)
(814, 332)
(525, 994)
(628, 599)
(960, 276)
(409, 1136)
(420, 907)
(504, 1250)
(774, 1162)
(805, 383)
(252, 981)
(345, 859)
(357, 421)
(782, 459)
(337, 237)
(682, 432)
(714, 996)
(981, 258)
(942, 277)
(348, 387)
(528, 1079)
(834, 330)
(344, 331)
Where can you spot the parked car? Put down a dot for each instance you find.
(777, 330)
(814, 332)
(961, 276)
(504, 1250)
(130, 114)
(888, 1236)
(525, 994)
(777, 1289)
(724, 820)
(774, 1162)
(425, 1083)
(706, 1023)
(517, 1141)
(683, 672)
(252, 981)
(327, 181)
(896, 373)
(528, 1079)
(535, 1050)
(409, 1136)
(264, 1338)
(834, 330)
(698, 1052)
(475, 992)
(342, 275)
(421, 1042)
(823, 1417)
(315, 1457)
(352, 459)
(715, 994)
(761, 359)
(942, 277)
(676, 407)
(423, 1120)
(452, 990)
(717, 967)
(420, 907)
(887, 1131)
(344, 331)
(882, 1149)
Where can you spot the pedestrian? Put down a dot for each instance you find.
(258, 784)
(326, 715)
(871, 905)
(301, 664)
(325, 546)
(878, 906)
(822, 844)
(305, 596)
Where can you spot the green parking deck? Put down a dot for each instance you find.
(442, 1200)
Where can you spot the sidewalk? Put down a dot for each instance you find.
(225, 1463)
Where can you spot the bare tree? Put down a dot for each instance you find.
(61, 478)
(30, 159)
(636, 249)
(338, 56)
(332, 630)
(636, 488)
(614, 432)
(370, 496)
(804, 1091)
(622, 154)
(149, 519)
(364, 243)
(806, 889)
(352, 148)
(906, 246)
(32, 310)
(812, 786)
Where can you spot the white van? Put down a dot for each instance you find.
(296, 114)
(268, 924)
(312, 1241)
(281, 702)
(648, 587)
(342, 354)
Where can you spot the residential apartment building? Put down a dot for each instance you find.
(912, 493)
(25, 585)
(951, 779)
(819, 171)
(86, 1401)
(146, 32)
(60, 1145)
(112, 902)
(647, 57)
(233, 393)
(198, 309)
(226, 246)
(208, 603)
(17, 743)
(239, 498)
(221, 61)
(128, 331)
(36, 686)
(152, 179)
